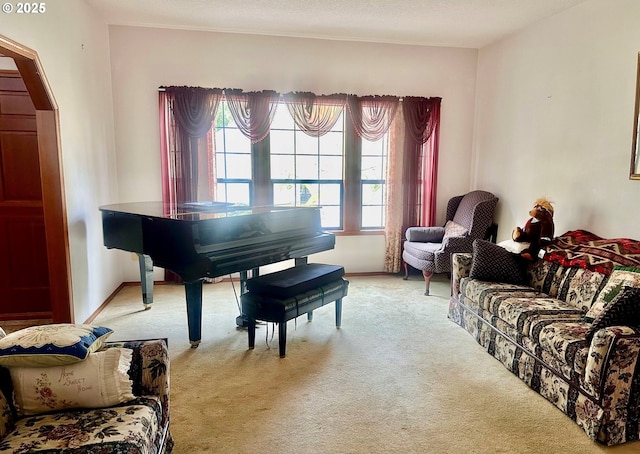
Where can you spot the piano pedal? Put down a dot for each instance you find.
(243, 323)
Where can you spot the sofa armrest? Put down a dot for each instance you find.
(611, 365)
(425, 234)
(460, 267)
(149, 370)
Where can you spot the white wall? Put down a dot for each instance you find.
(73, 47)
(554, 117)
(144, 59)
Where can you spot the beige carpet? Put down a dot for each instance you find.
(398, 377)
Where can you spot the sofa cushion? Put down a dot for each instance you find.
(99, 381)
(546, 277)
(619, 278)
(521, 312)
(494, 263)
(564, 340)
(580, 287)
(483, 292)
(48, 345)
(132, 427)
(624, 309)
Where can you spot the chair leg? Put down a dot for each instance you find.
(252, 333)
(282, 338)
(338, 312)
(406, 271)
(427, 280)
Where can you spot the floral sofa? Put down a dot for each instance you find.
(568, 325)
(134, 427)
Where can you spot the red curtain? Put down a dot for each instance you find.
(422, 119)
(186, 119)
(189, 115)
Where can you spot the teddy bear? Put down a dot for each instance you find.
(538, 230)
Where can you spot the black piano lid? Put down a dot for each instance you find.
(194, 211)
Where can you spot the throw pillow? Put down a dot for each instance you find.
(101, 380)
(493, 263)
(48, 345)
(624, 309)
(452, 229)
(620, 277)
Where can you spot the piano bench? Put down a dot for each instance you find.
(284, 295)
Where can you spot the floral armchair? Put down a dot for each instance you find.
(137, 426)
(429, 249)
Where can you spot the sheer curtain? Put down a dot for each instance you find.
(315, 115)
(186, 119)
(253, 112)
(371, 116)
(188, 147)
(422, 117)
(411, 173)
(394, 220)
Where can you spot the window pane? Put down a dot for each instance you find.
(372, 217)
(331, 143)
(238, 166)
(281, 142)
(307, 194)
(306, 144)
(220, 166)
(282, 167)
(236, 142)
(284, 194)
(306, 167)
(372, 168)
(372, 194)
(233, 193)
(330, 194)
(373, 148)
(331, 167)
(330, 217)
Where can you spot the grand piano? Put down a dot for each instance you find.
(210, 239)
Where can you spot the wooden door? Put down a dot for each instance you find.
(24, 274)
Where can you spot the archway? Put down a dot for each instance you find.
(53, 202)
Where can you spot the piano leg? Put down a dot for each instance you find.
(193, 292)
(241, 320)
(146, 279)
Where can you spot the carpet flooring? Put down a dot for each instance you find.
(398, 377)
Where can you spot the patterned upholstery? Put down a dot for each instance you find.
(139, 426)
(473, 211)
(494, 263)
(539, 332)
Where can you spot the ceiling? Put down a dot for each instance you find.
(453, 23)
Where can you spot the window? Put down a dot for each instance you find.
(307, 171)
(372, 180)
(232, 161)
(338, 171)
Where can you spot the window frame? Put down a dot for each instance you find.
(262, 186)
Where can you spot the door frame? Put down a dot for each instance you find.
(53, 200)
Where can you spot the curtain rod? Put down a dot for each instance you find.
(163, 88)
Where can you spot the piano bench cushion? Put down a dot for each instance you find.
(294, 281)
(280, 310)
